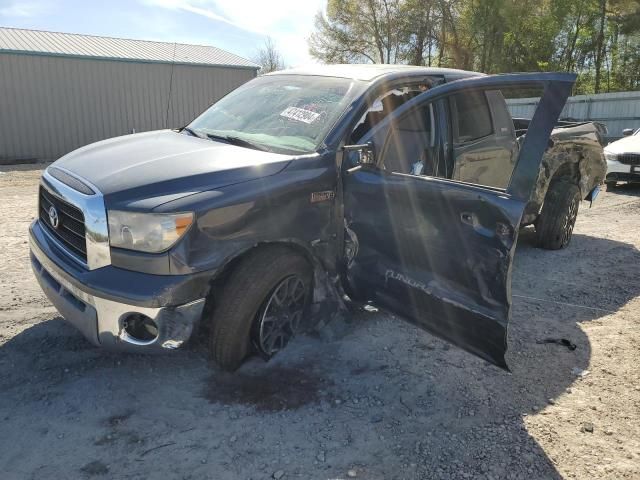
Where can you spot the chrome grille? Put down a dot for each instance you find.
(70, 180)
(70, 230)
(629, 158)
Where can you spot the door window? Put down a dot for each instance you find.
(485, 140)
(471, 116)
(468, 137)
(410, 144)
(383, 106)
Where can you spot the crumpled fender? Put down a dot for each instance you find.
(574, 152)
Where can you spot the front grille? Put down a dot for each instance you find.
(629, 158)
(70, 230)
(70, 181)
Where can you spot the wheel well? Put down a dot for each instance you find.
(219, 279)
(259, 249)
(567, 172)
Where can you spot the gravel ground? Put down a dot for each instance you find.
(371, 397)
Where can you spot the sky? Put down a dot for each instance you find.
(238, 26)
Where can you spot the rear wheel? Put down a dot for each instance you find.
(611, 185)
(261, 306)
(554, 226)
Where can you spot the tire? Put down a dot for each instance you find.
(611, 185)
(241, 303)
(554, 226)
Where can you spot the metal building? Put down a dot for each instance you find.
(59, 91)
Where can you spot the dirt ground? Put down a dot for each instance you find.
(370, 398)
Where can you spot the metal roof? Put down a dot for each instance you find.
(371, 71)
(38, 42)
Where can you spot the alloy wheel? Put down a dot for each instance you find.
(570, 221)
(282, 314)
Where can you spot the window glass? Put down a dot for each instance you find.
(283, 113)
(497, 121)
(383, 106)
(472, 118)
(502, 122)
(522, 103)
(417, 143)
(409, 146)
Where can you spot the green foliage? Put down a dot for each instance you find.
(599, 39)
(359, 30)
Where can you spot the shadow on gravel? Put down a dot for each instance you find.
(379, 396)
(629, 189)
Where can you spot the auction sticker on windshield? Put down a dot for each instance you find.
(300, 114)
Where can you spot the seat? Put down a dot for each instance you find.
(408, 141)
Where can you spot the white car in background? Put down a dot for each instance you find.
(623, 159)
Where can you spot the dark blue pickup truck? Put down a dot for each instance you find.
(401, 186)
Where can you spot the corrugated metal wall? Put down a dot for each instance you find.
(52, 105)
(616, 110)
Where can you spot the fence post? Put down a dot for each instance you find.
(589, 103)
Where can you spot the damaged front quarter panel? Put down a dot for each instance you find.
(295, 208)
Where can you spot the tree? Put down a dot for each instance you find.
(269, 57)
(598, 39)
(600, 46)
(359, 31)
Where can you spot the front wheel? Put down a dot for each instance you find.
(261, 306)
(280, 317)
(554, 226)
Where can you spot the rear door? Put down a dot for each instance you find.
(483, 138)
(439, 251)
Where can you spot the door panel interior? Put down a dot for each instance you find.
(436, 252)
(482, 152)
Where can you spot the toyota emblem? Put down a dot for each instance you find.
(54, 220)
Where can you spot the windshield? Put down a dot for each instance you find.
(280, 113)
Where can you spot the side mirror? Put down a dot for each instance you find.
(366, 153)
(627, 132)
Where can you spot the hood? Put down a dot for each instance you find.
(155, 167)
(624, 145)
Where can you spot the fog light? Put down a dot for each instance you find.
(140, 328)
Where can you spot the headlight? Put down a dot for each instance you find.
(611, 157)
(147, 232)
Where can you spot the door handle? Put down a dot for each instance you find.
(502, 229)
(467, 218)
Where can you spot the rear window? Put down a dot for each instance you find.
(471, 116)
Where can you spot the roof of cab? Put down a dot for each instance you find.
(370, 72)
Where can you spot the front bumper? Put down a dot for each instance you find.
(620, 172)
(101, 318)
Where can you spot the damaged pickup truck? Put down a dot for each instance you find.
(401, 186)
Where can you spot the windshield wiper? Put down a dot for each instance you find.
(240, 142)
(191, 131)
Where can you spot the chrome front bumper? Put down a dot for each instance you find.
(102, 321)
